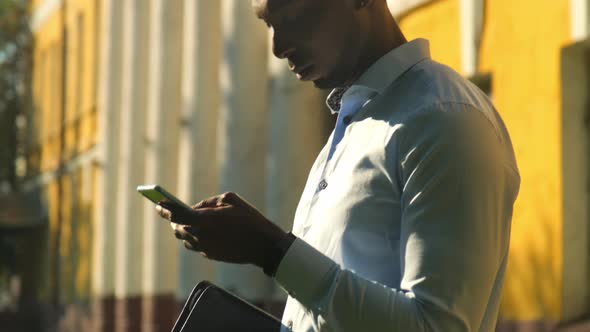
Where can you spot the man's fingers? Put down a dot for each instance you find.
(174, 213)
(191, 245)
(164, 213)
(209, 213)
(191, 233)
(183, 232)
(197, 218)
(209, 202)
(227, 198)
(177, 235)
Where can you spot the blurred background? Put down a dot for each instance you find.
(98, 96)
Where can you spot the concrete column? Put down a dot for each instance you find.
(243, 127)
(130, 217)
(297, 134)
(575, 84)
(580, 18)
(108, 106)
(160, 248)
(198, 176)
(471, 30)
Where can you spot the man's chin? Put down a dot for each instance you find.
(325, 84)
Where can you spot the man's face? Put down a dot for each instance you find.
(321, 39)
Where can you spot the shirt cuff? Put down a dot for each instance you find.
(304, 272)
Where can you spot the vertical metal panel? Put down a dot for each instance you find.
(129, 220)
(198, 169)
(108, 102)
(243, 124)
(162, 126)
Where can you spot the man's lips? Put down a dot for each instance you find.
(300, 71)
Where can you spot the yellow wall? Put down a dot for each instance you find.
(81, 97)
(47, 97)
(72, 125)
(520, 48)
(439, 22)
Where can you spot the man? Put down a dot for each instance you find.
(404, 223)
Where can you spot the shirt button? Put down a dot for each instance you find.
(346, 120)
(290, 324)
(323, 184)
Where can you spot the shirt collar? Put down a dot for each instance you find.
(384, 71)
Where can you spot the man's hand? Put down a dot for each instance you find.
(224, 228)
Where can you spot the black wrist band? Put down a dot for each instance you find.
(276, 253)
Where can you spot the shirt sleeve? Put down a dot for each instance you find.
(459, 184)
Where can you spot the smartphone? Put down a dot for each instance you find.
(157, 194)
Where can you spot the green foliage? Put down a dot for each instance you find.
(15, 69)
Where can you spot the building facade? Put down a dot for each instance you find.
(187, 94)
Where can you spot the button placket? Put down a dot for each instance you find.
(305, 225)
(340, 148)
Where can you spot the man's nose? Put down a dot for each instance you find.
(280, 47)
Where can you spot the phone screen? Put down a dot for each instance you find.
(157, 194)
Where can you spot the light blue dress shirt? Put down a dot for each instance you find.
(406, 226)
(355, 97)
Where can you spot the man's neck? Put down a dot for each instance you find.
(388, 37)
